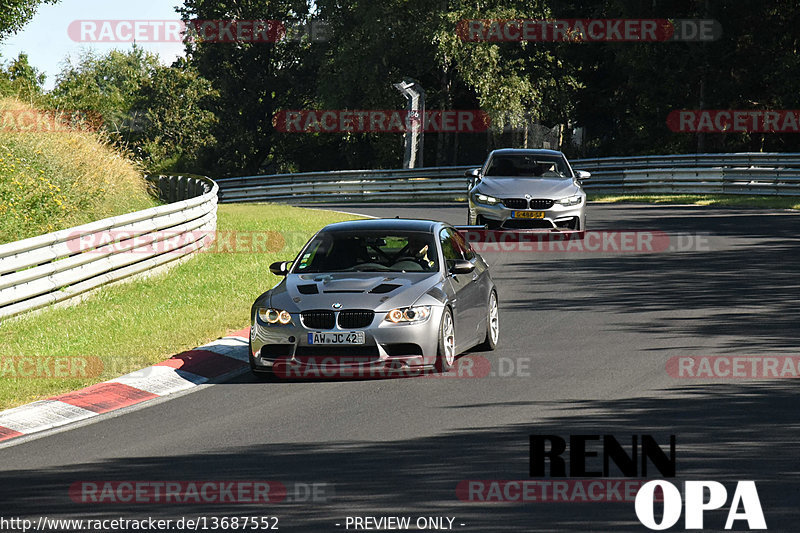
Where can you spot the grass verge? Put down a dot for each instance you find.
(53, 177)
(730, 200)
(133, 325)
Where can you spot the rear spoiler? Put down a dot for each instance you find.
(471, 228)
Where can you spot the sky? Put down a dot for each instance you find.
(47, 43)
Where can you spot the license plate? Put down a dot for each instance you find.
(343, 337)
(527, 214)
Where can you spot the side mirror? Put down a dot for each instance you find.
(461, 266)
(582, 175)
(473, 174)
(280, 268)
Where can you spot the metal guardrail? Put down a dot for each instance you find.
(65, 264)
(347, 185)
(743, 173)
(744, 159)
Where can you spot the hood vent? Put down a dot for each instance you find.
(343, 291)
(383, 288)
(310, 288)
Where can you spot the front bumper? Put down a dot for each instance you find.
(557, 217)
(388, 347)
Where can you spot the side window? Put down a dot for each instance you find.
(463, 246)
(450, 248)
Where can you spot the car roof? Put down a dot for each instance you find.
(525, 151)
(383, 224)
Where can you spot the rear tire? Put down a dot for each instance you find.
(492, 324)
(446, 352)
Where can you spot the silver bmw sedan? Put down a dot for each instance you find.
(381, 293)
(527, 189)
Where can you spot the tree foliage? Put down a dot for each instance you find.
(172, 106)
(213, 112)
(15, 13)
(22, 80)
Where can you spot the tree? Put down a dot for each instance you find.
(517, 83)
(15, 13)
(176, 123)
(21, 79)
(107, 85)
(629, 89)
(372, 46)
(253, 79)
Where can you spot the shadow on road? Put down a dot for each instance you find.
(754, 436)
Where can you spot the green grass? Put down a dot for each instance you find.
(133, 325)
(731, 200)
(51, 180)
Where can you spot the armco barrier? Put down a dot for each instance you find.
(52, 268)
(744, 173)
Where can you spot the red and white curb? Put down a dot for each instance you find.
(215, 361)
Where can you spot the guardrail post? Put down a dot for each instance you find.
(163, 187)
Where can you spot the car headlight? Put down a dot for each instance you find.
(485, 199)
(572, 200)
(405, 315)
(274, 316)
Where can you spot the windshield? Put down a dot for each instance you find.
(529, 166)
(339, 251)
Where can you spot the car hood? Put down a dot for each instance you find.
(551, 188)
(380, 291)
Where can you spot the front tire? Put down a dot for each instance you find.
(492, 324)
(446, 353)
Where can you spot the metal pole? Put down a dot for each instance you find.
(415, 138)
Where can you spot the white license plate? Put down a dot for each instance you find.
(336, 337)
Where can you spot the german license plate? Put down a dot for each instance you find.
(527, 214)
(336, 337)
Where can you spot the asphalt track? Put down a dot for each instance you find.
(584, 342)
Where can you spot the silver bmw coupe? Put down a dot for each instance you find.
(527, 189)
(381, 293)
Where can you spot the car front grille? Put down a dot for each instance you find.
(356, 318)
(522, 203)
(318, 319)
(348, 319)
(541, 203)
(515, 203)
